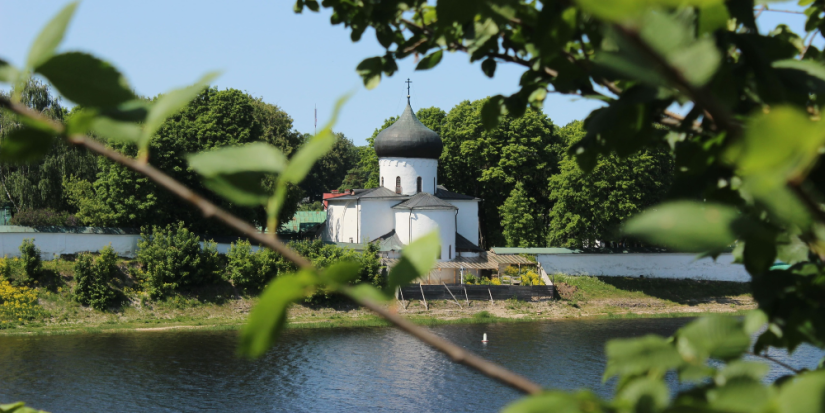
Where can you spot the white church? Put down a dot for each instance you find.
(409, 202)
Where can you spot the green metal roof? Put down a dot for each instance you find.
(303, 221)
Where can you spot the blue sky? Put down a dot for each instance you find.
(295, 61)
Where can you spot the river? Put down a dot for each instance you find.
(311, 370)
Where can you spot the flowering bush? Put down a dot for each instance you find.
(18, 304)
(43, 218)
(531, 278)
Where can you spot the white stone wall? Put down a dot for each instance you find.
(467, 218)
(426, 221)
(654, 265)
(342, 221)
(57, 243)
(376, 217)
(409, 169)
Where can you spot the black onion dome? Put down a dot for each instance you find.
(408, 138)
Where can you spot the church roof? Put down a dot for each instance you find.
(380, 192)
(443, 193)
(408, 138)
(389, 242)
(424, 200)
(463, 244)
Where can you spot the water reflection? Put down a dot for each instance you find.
(350, 370)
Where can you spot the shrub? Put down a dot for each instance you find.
(31, 264)
(44, 218)
(18, 304)
(5, 269)
(93, 277)
(250, 270)
(171, 257)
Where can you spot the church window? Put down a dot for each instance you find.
(382, 181)
(450, 252)
(418, 185)
(397, 184)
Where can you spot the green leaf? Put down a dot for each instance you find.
(697, 62)
(25, 145)
(759, 255)
(631, 65)
(557, 402)
(253, 157)
(363, 292)
(316, 147)
(740, 395)
(79, 122)
(812, 68)
(117, 131)
(645, 393)
(492, 112)
(686, 225)
(341, 273)
(430, 61)
(783, 142)
(624, 10)
(739, 368)
(754, 321)
(86, 80)
(50, 37)
(489, 67)
(713, 17)
(803, 394)
(417, 259)
(8, 73)
(634, 356)
(712, 336)
(243, 188)
(370, 70)
(268, 319)
(170, 103)
(695, 373)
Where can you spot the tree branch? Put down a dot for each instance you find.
(779, 363)
(209, 209)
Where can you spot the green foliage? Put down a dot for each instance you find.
(172, 258)
(332, 169)
(43, 217)
(589, 207)
(518, 225)
(250, 270)
(18, 407)
(30, 262)
(92, 278)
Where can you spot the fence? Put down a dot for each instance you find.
(477, 292)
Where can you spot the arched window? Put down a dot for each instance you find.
(418, 185)
(450, 252)
(397, 184)
(382, 181)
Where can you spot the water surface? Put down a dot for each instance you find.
(341, 370)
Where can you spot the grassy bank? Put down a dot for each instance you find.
(221, 307)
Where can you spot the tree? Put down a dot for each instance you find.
(518, 222)
(330, 171)
(489, 163)
(29, 187)
(119, 197)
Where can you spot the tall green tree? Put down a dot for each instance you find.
(216, 118)
(589, 207)
(330, 171)
(518, 222)
(489, 163)
(40, 185)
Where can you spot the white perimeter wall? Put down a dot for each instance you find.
(426, 221)
(654, 265)
(467, 219)
(409, 169)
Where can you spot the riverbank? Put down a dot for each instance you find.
(580, 297)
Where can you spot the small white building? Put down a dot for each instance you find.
(409, 202)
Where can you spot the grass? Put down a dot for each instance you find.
(676, 291)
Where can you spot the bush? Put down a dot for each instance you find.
(250, 270)
(171, 257)
(93, 277)
(31, 264)
(531, 278)
(44, 218)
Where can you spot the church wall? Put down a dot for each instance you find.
(426, 221)
(467, 219)
(409, 169)
(341, 221)
(377, 218)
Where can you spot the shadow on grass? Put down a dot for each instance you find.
(688, 292)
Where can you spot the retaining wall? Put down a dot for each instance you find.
(654, 265)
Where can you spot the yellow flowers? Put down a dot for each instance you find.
(18, 303)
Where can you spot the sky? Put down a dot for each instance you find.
(295, 61)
